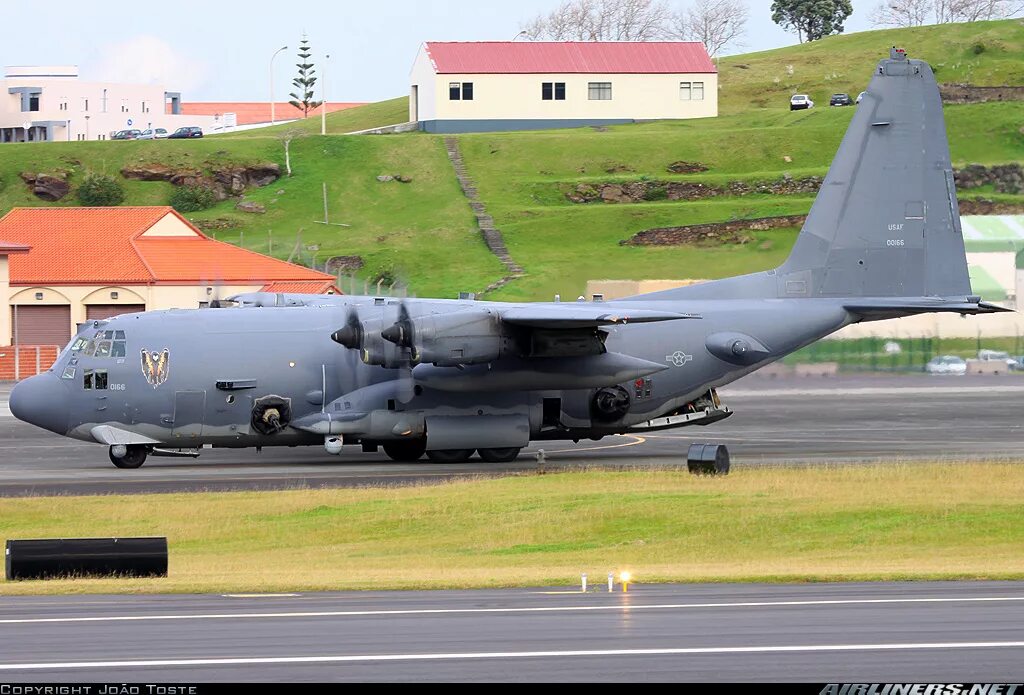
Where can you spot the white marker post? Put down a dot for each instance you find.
(611, 582)
(583, 581)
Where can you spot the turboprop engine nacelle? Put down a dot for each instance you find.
(450, 340)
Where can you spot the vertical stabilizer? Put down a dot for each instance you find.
(886, 221)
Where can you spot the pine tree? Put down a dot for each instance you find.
(302, 97)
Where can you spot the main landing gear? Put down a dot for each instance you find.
(128, 455)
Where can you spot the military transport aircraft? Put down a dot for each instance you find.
(452, 377)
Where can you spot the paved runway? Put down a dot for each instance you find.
(805, 420)
(944, 632)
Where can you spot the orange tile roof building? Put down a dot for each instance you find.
(252, 112)
(69, 265)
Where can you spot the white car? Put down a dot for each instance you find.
(153, 134)
(998, 356)
(947, 364)
(800, 101)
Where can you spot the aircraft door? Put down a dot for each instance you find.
(189, 412)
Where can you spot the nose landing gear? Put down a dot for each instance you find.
(128, 455)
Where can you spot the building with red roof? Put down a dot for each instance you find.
(61, 266)
(253, 112)
(459, 87)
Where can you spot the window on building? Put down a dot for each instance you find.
(33, 102)
(85, 104)
(104, 104)
(460, 91)
(552, 91)
(124, 106)
(599, 91)
(685, 91)
(698, 91)
(145, 108)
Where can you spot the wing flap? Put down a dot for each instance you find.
(572, 316)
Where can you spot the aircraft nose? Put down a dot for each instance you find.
(42, 401)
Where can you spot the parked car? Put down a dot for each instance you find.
(188, 131)
(998, 356)
(947, 364)
(860, 96)
(132, 134)
(1020, 363)
(154, 134)
(840, 100)
(800, 101)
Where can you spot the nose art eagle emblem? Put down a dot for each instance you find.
(156, 366)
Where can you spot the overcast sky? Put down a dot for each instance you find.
(220, 50)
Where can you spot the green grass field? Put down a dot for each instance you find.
(423, 235)
(912, 521)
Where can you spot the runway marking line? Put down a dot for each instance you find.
(260, 595)
(244, 661)
(531, 609)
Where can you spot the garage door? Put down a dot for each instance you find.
(96, 312)
(41, 325)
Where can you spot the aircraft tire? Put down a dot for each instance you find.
(499, 455)
(405, 451)
(133, 458)
(450, 455)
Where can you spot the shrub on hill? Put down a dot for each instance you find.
(100, 190)
(193, 198)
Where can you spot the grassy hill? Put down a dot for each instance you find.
(423, 232)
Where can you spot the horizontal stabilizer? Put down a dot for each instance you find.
(883, 307)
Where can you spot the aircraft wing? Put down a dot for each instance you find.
(572, 316)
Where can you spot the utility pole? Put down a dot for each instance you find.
(282, 48)
(323, 102)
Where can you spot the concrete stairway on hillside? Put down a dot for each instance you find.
(491, 234)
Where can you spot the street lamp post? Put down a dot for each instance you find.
(323, 98)
(282, 48)
(524, 31)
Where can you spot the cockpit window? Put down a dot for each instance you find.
(95, 379)
(69, 373)
(103, 344)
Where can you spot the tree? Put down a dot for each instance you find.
(811, 19)
(715, 23)
(901, 13)
(975, 10)
(302, 98)
(603, 20)
(100, 190)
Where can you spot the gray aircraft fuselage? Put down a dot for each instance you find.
(288, 352)
(448, 377)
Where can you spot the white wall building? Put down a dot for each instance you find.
(50, 103)
(458, 87)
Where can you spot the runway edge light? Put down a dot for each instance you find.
(625, 578)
